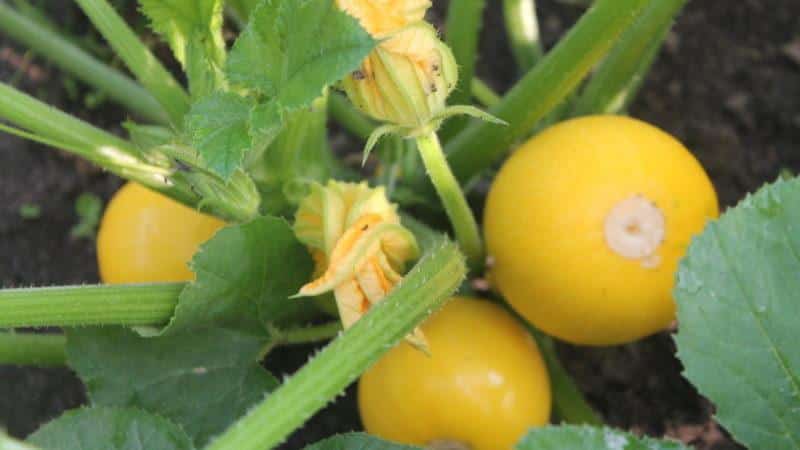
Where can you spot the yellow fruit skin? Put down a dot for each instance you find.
(146, 237)
(544, 224)
(485, 383)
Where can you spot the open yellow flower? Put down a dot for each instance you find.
(382, 18)
(360, 247)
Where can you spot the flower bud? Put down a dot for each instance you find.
(359, 246)
(405, 80)
(382, 18)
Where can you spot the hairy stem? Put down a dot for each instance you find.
(452, 197)
(423, 291)
(134, 304)
(55, 128)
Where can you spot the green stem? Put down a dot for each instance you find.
(424, 290)
(30, 349)
(74, 60)
(544, 87)
(349, 117)
(569, 404)
(455, 204)
(147, 69)
(58, 129)
(522, 26)
(464, 20)
(136, 304)
(484, 94)
(27, 112)
(615, 83)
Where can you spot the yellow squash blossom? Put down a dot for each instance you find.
(405, 81)
(360, 247)
(382, 18)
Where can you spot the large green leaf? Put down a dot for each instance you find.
(219, 128)
(360, 441)
(193, 29)
(286, 56)
(245, 276)
(739, 315)
(110, 429)
(292, 49)
(590, 438)
(203, 381)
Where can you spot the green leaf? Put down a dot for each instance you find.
(590, 438)
(219, 129)
(738, 312)
(202, 381)
(110, 429)
(360, 441)
(245, 276)
(88, 207)
(193, 29)
(292, 49)
(266, 122)
(30, 211)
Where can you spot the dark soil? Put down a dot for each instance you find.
(727, 84)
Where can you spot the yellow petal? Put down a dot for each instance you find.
(383, 17)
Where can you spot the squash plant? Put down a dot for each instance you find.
(177, 365)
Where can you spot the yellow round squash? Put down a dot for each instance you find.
(586, 222)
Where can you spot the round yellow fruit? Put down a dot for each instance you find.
(146, 237)
(482, 387)
(586, 222)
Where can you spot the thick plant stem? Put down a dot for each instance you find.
(30, 349)
(133, 304)
(543, 88)
(423, 291)
(58, 129)
(522, 26)
(31, 114)
(615, 83)
(348, 117)
(74, 60)
(138, 58)
(452, 197)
